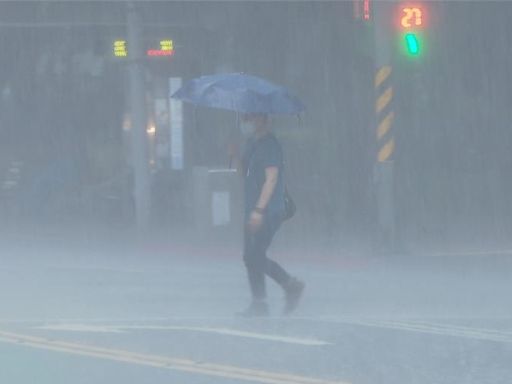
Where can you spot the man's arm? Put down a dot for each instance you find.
(256, 218)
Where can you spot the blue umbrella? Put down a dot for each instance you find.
(241, 93)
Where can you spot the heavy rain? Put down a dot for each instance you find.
(306, 192)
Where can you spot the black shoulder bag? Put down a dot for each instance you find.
(289, 206)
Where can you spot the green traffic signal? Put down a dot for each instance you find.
(412, 44)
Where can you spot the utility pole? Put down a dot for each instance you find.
(137, 106)
(385, 116)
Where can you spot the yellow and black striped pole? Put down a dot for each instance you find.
(385, 115)
(384, 123)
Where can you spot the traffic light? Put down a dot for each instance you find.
(412, 23)
(412, 44)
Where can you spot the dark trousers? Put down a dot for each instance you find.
(256, 261)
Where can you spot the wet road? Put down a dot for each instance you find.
(137, 320)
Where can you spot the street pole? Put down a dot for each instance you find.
(385, 116)
(137, 106)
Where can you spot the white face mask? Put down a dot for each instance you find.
(247, 128)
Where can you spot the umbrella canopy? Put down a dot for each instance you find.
(241, 93)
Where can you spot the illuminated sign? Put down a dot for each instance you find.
(412, 17)
(413, 44)
(165, 48)
(120, 49)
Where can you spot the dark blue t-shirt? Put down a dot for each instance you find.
(260, 154)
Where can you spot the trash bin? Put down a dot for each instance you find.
(217, 202)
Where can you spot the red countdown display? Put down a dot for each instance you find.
(411, 17)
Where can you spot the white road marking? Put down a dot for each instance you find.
(233, 332)
(499, 252)
(85, 320)
(465, 328)
(80, 328)
(400, 323)
(447, 331)
(425, 327)
(219, 331)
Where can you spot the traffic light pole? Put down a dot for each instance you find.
(137, 106)
(384, 113)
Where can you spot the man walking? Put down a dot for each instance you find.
(262, 167)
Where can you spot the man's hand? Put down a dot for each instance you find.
(255, 221)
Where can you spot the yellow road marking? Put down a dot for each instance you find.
(184, 365)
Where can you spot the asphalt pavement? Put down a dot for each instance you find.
(78, 316)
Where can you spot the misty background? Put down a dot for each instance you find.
(65, 160)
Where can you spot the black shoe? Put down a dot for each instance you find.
(258, 308)
(293, 292)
